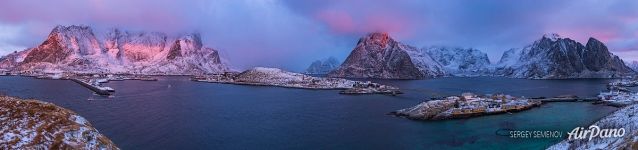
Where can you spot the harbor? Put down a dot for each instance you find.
(93, 82)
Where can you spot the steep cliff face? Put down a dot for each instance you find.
(379, 56)
(65, 45)
(135, 47)
(76, 49)
(554, 57)
(187, 54)
(460, 61)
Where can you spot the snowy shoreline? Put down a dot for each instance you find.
(33, 124)
(465, 106)
(261, 76)
(626, 118)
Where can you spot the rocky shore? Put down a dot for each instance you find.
(625, 118)
(276, 77)
(32, 124)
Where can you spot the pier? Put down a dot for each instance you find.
(92, 88)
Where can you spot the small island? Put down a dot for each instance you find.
(32, 124)
(465, 106)
(276, 77)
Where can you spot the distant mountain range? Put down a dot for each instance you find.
(323, 66)
(552, 57)
(555, 57)
(77, 49)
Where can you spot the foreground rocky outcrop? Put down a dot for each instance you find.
(77, 49)
(377, 55)
(554, 57)
(32, 124)
(626, 118)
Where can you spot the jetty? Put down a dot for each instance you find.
(97, 89)
(566, 98)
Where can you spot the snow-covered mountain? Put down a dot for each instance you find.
(554, 57)
(77, 49)
(13, 59)
(460, 61)
(323, 66)
(377, 55)
(633, 65)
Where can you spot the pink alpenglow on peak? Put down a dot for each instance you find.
(77, 49)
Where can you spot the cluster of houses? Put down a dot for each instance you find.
(619, 94)
(472, 104)
(369, 87)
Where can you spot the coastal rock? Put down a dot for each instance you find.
(460, 61)
(624, 118)
(429, 110)
(379, 56)
(32, 124)
(323, 66)
(554, 57)
(76, 49)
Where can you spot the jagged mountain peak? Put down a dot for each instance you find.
(76, 49)
(66, 44)
(557, 57)
(595, 43)
(81, 28)
(376, 38)
(552, 36)
(379, 56)
(323, 66)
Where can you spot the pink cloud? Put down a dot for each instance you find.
(344, 22)
(337, 21)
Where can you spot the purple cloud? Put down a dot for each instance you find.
(292, 33)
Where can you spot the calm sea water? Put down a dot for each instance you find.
(174, 113)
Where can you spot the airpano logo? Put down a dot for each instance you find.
(594, 131)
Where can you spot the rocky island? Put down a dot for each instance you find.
(277, 77)
(32, 124)
(466, 105)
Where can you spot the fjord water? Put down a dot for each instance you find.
(175, 113)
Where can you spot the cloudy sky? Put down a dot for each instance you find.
(292, 33)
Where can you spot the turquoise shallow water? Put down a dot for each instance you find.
(175, 113)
